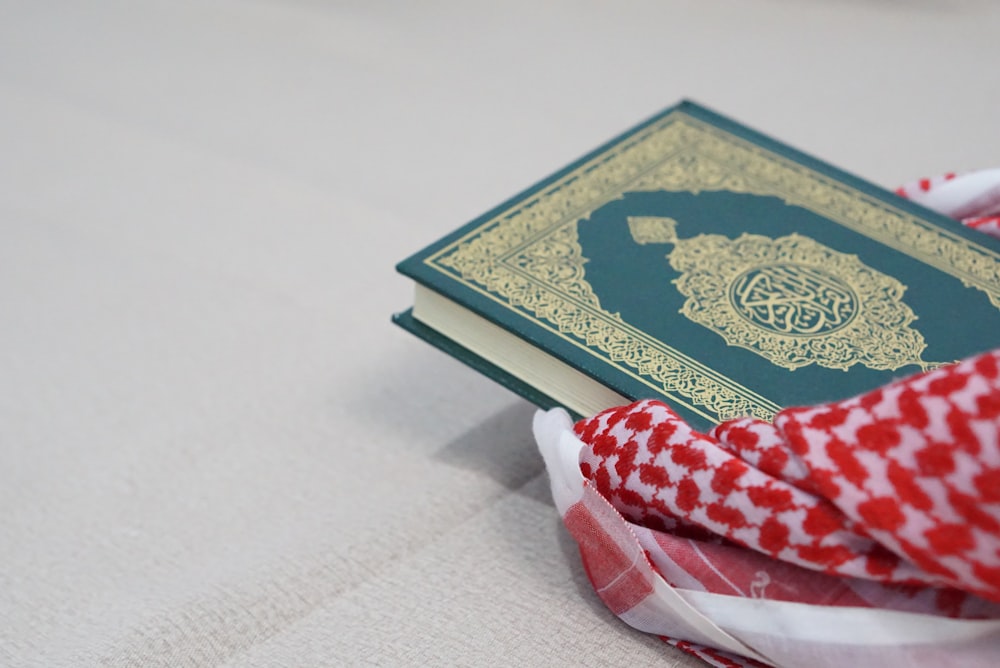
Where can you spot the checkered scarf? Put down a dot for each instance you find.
(863, 532)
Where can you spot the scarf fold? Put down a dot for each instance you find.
(862, 531)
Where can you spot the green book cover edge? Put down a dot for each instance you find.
(406, 320)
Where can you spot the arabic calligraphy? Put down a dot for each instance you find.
(793, 299)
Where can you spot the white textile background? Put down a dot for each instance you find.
(214, 448)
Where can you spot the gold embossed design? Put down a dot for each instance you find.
(557, 260)
(794, 299)
(795, 302)
(652, 229)
(675, 153)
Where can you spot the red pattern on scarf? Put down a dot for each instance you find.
(899, 485)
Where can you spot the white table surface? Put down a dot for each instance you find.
(214, 448)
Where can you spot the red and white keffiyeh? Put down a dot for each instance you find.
(973, 198)
(861, 532)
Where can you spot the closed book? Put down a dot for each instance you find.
(699, 262)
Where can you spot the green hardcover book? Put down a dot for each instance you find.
(694, 260)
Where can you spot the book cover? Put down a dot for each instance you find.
(694, 260)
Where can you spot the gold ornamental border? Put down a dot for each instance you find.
(528, 259)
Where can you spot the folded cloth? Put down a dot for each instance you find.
(973, 197)
(864, 531)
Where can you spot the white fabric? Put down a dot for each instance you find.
(779, 633)
(973, 194)
(214, 449)
(560, 448)
(667, 612)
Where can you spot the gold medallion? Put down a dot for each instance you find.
(791, 300)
